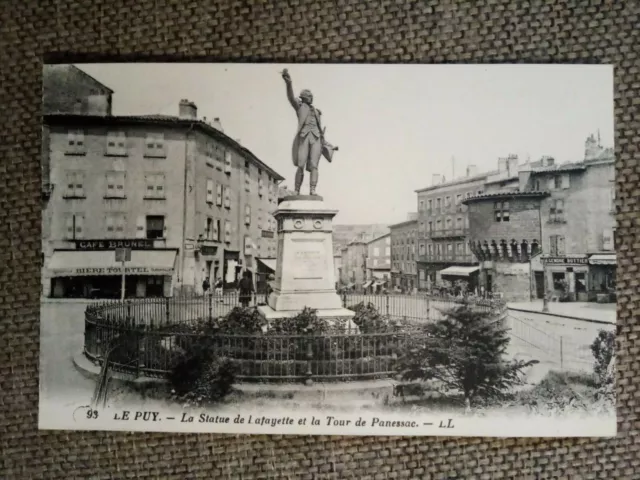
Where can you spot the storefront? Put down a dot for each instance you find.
(459, 273)
(96, 274)
(265, 267)
(602, 277)
(567, 277)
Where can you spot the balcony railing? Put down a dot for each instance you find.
(448, 257)
(449, 232)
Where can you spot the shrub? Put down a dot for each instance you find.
(202, 378)
(603, 349)
(465, 353)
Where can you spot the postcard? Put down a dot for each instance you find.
(329, 249)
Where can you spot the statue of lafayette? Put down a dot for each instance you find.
(309, 143)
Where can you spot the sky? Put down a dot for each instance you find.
(395, 125)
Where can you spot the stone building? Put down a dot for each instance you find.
(404, 238)
(554, 233)
(191, 202)
(443, 224)
(378, 263)
(354, 263)
(70, 90)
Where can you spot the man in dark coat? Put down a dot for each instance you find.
(245, 289)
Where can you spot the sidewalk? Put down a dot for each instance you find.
(599, 312)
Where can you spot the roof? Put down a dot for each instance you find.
(563, 167)
(89, 77)
(489, 196)
(402, 224)
(379, 237)
(459, 181)
(52, 68)
(166, 120)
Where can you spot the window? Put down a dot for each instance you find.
(216, 230)
(566, 180)
(429, 227)
(116, 144)
(450, 249)
(247, 176)
(459, 223)
(227, 231)
(438, 225)
(154, 145)
(75, 143)
(75, 185)
(448, 223)
(210, 191)
(247, 245)
(558, 280)
(260, 183)
(556, 210)
(438, 204)
(556, 245)
(387, 251)
(612, 198)
(458, 199)
(115, 185)
(155, 186)
(115, 224)
(74, 224)
(227, 162)
(227, 198)
(155, 226)
(247, 214)
(219, 195)
(208, 228)
(421, 249)
(501, 210)
(430, 249)
(376, 252)
(259, 225)
(557, 182)
(429, 204)
(421, 206)
(447, 202)
(438, 249)
(460, 248)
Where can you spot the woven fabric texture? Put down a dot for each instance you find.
(424, 31)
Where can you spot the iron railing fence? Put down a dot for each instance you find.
(154, 334)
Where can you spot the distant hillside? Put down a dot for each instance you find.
(343, 234)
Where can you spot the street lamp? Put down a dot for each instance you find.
(545, 297)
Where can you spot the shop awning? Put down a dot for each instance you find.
(90, 263)
(379, 283)
(367, 284)
(459, 271)
(603, 259)
(270, 263)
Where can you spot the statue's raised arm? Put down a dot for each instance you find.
(290, 96)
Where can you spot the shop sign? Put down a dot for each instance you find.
(565, 260)
(267, 234)
(88, 271)
(97, 245)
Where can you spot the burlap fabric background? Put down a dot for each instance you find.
(297, 30)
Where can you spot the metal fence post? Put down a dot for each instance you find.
(561, 355)
(387, 303)
(166, 310)
(211, 307)
(309, 372)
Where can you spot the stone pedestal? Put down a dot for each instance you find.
(304, 268)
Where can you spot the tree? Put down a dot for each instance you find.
(603, 349)
(465, 353)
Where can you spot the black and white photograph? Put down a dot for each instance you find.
(328, 249)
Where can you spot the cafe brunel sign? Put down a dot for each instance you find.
(98, 245)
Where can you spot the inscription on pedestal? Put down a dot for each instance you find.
(310, 260)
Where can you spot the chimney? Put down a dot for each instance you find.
(188, 109)
(437, 179)
(512, 165)
(472, 170)
(547, 161)
(591, 148)
(217, 125)
(502, 165)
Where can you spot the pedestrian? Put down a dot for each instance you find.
(245, 289)
(218, 289)
(205, 286)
